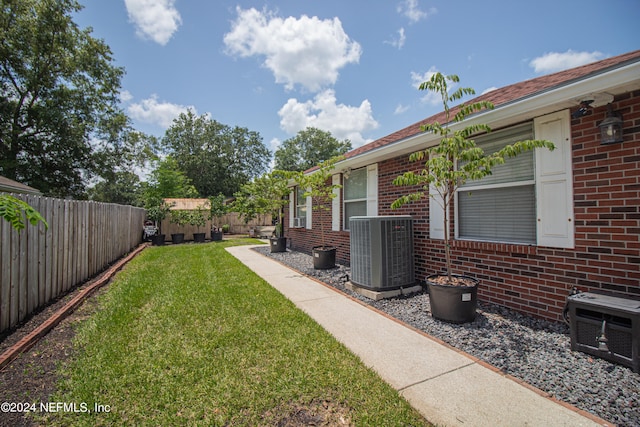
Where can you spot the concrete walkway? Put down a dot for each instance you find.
(448, 387)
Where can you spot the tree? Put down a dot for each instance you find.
(58, 92)
(168, 181)
(321, 190)
(216, 157)
(123, 188)
(309, 148)
(457, 159)
(266, 195)
(119, 152)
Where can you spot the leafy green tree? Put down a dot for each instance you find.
(456, 159)
(217, 209)
(58, 94)
(168, 181)
(217, 158)
(309, 148)
(321, 190)
(123, 188)
(266, 195)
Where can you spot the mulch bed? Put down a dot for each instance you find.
(33, 376)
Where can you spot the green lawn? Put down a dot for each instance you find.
(187, 335)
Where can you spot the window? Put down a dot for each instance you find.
(502, 206)
(359, 197)
(528, 200)
(300, 208)
(355, 195)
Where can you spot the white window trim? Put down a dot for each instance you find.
(372, 190)
(309, 224)
(335, 204)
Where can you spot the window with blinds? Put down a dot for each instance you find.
(355, 195)
(502, 206)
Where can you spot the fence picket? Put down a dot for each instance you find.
(32, 262)
(5, 276)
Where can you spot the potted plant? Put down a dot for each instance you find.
(319, 187)
(157, 211)
(217, 209)
(447, 166)
(197, 219)
(181, 218)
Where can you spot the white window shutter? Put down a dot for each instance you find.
(309, 225)
(554, 182)
(292, 207)
(372, 190)
(335, 204)
(436, 214)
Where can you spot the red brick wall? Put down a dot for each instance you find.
(537, 280)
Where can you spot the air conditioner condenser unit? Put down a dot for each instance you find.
(382, 252)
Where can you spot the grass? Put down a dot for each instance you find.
(187, 335)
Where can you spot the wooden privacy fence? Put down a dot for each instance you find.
(39, 265)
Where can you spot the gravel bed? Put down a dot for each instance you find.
(533, 350)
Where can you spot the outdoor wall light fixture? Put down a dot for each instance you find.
(611, 127)
(583, 110)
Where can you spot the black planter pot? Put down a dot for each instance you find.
(199, 237)
(177, 238)
(454, 304)
(324, 257)
(216, 235)
(157, 240)
(278, 244)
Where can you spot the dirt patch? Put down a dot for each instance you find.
(314, 413)
(33, 376)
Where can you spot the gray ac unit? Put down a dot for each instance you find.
(382, 252)
(607, 326)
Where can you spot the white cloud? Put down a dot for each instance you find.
(398, 42)
(157, 20)
(305, 51)
(557, 61)
(430, 98)
(125, 96)
(159, 113)
(489, 89)
(343, 121)
(401, 109)
(409, 8)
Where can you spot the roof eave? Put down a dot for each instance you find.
(563, 96)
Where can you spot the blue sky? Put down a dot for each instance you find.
(350, 67)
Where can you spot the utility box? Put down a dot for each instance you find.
(606, 326)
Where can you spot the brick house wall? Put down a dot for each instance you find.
(534, 279)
